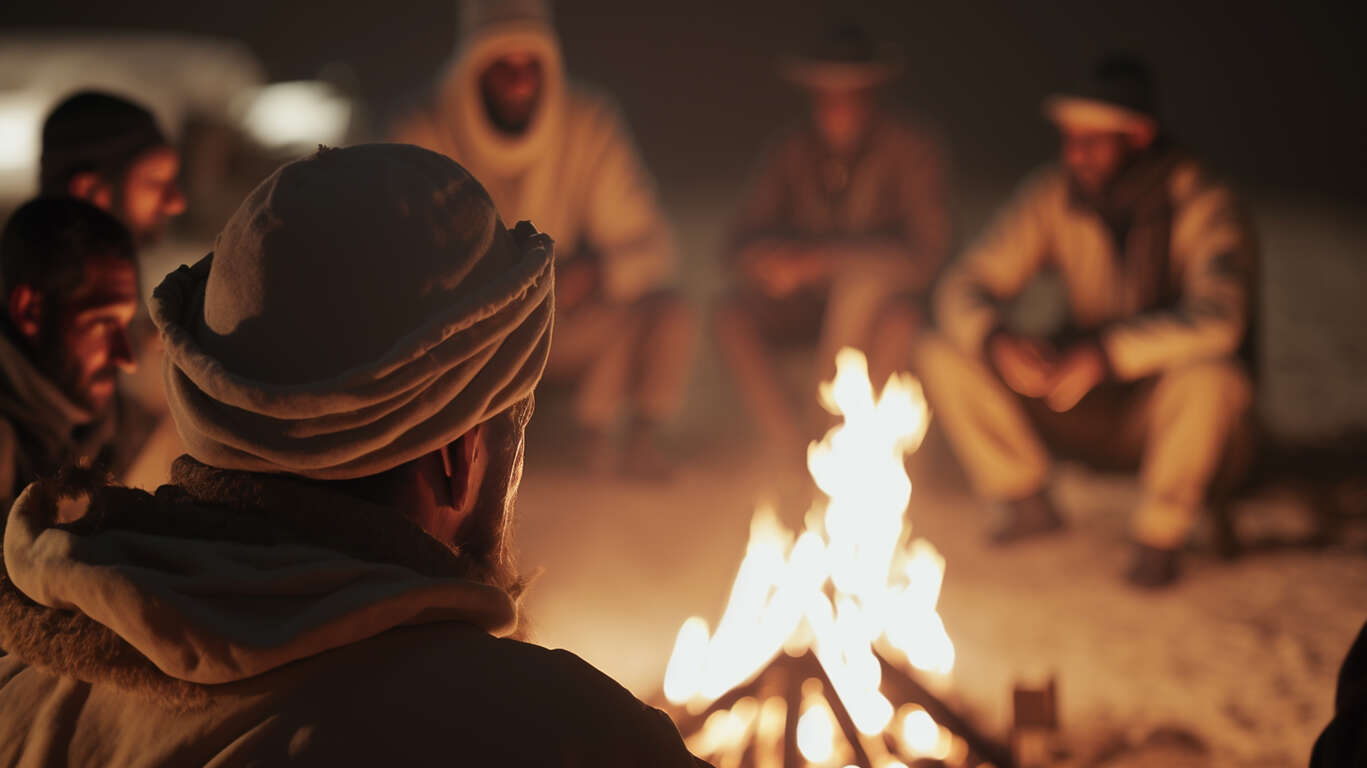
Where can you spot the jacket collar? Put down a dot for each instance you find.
(156, 594)
(29, 396)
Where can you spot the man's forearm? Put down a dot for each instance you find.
(916, 268)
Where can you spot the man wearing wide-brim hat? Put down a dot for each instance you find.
(847, 209)
(1152, 368)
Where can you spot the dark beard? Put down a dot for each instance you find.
(512, 126)
(60, 369)
(486, 535)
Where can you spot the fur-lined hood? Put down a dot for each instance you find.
(219, 577)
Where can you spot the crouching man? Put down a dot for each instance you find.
(846, 218)
(327, 580)
(1153, 368)
(558, 153)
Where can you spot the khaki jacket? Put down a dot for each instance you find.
(237, 619)
(1212, 267)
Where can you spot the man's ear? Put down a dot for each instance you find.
(465, 462)
(90, 187)
(25, 309)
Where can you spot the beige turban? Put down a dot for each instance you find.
(363, 307)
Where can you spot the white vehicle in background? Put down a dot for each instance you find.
(210, 95)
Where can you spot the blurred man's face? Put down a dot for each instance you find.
(151, 194)
(842, 118)
(1093, 157)
(87, 344)
(511, 87)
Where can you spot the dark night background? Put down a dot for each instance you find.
(1245, 654)
(1270, 93)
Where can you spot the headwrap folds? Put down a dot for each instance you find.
(362, 308)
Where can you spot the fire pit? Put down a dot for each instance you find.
(830, 651)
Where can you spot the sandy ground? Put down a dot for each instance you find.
(1243, 656)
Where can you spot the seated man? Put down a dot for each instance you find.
(557, 153)
(1153, 369)
(71, 289)
(848, 211)
(110, 152)
(329, 577)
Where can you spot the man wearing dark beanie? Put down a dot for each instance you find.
(110, 152)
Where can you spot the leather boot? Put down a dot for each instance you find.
(1025, 518)
(1152, 568)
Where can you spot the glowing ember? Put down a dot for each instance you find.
(816, 729)
(852, 581)
(921, 736)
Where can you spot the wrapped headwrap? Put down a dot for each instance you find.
(363, 307)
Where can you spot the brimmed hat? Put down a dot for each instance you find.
(1119, 96)
(845, 58)
(364, 307)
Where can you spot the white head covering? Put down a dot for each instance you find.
(363, 307)
(489, 30)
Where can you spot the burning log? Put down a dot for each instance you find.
(906, 688)
(798, 644)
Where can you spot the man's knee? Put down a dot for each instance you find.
(937, 358)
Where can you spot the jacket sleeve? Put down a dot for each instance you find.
(1215, 256)
(997, 267)
(624, 222)
(765, 209)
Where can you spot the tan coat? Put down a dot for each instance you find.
(1212, 269)
(575, 173)
(238, 619)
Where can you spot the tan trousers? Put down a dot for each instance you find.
(1177, 427)
(849, 312)
(625, 359)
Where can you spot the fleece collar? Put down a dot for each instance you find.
(29, 397)
(219, 578)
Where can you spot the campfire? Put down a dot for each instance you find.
(830, 651)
